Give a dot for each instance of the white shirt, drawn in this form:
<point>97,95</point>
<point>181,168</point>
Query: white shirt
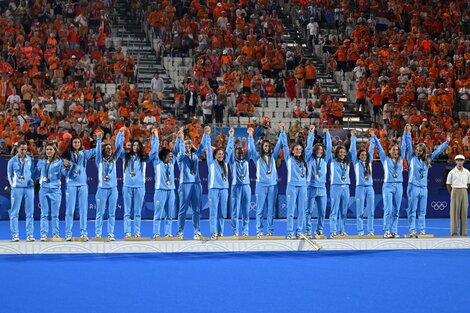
<point>458,179</point>
<point>313,28</point>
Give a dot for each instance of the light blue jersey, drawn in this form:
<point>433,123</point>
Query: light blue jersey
<point>362,170</point>
<point>418,169</point>
<point>20,172</point>
<point>266,170</point>
<point>77,176</point>
<point>107,167</point>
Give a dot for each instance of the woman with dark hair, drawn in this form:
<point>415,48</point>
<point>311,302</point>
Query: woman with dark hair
<point>266,182</point>
<point>296,184</point>
<point>164,197</point>
<point>316,178</point>
<point>107,193</point>
<point>240,193</point>
<point>77,188</point>
<point>48,171</point>
<point>419,163</point>
<point>365,194</point>
<point>190,188</point>
<point>392,189</point>
<point>217,182</point>
<point>339,190</point>
<point>133,187</point>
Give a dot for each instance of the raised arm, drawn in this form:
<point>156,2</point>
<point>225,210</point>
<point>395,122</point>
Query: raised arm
<point>230,149</point>
<point>279,144</point>
<point>120,152</point>
<point>98,156</point>
<point>328,145</point>
<point>441,148</point>
<point>403,146</point>
<point>310,140</point>
<point>382,154</point>
<point>181,149</point>
<point>153,155</point>
<point>371,149</point>
<point>251,145</point>
<point>91,153</point>
<point>352,148</point>
<point>285,145</point>
<point>206,140</point>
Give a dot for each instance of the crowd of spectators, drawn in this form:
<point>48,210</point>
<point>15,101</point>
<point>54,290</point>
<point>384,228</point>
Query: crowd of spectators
<point>53,54</point>
<point>414,69</point>
<point>409,62</point>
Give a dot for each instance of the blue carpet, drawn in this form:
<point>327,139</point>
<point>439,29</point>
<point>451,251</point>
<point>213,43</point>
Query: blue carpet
<point>326,281</point>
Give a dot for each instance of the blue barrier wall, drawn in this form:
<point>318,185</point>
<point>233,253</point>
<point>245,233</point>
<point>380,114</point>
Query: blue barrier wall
<point>438,200</point>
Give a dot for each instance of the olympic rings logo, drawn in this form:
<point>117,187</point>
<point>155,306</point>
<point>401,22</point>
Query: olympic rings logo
<point>439,205</point>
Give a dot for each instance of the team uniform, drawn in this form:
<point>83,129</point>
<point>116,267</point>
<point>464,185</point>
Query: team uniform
<point>339,195</point>
<point>240,194</point>
<point>218,187</point>
<point>190,188</point>
<point>365,194</point>
<point>133,190</point>
<point>296,192</point>
<point>418,186</point>
<point>266,185</point>
<point>50,194</point>
<point>316,178</point>
<point>77,190</point>
<point>22,188</point>
<point>392,189</point>
<point>107,193</point>
<point>164,197</point>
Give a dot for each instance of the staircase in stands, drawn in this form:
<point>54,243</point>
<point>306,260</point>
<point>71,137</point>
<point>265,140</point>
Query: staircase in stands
<point>351,119</point>
<point>128,33</point>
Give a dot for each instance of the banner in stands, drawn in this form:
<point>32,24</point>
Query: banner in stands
<point>438,197</point>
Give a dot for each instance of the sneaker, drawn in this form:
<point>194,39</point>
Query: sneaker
<point>15,238</point>
<point>68,238</point>
<point>299,235</point>
<point>214,237</point>
<point>412,234</point>
<point>235,234</point>
<point>30,238</point>
<point>333,235</point>
<point>156,236</point>
<point>84,237</point>
<point>55,236</point>
<point>98,236</point>
<point>371,233</point>
<point>111,237</point>
<point>269,233</point>
<point>291,237</point>
<point>137,235</point>
<point>259,235</point>
<point>318,232</point>
<point>244,235</point>
<point>197,236</point>
<point>168,236</point>
<point>220,235</point>
<point>343,233</point>
<point>43,237</point>
<point>179,235</point>
<point>308,234</point>
<point>387,234</point>
<point>422,232</point>
<point>395,235</point>
<point>361,233</point>
<point>127,235</point>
